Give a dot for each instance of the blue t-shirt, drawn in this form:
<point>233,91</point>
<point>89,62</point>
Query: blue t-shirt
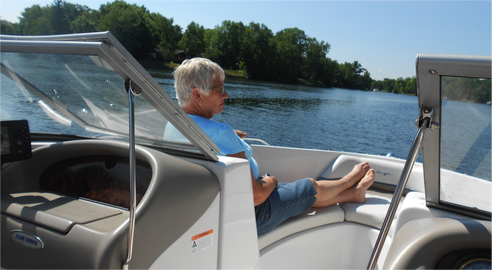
<point>227,140</point>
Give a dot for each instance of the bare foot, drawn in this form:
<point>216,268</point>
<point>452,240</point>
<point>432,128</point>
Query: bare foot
<point>363,185</point>
<point>357,173</point>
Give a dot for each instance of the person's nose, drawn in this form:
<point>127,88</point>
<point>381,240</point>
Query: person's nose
<point>225,95</point>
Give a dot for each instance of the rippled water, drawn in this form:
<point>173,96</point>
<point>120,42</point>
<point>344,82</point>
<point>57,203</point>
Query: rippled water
<point>319,118</point>
<point>314,118</point>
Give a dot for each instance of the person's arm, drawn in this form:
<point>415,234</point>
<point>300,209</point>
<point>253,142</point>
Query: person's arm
<point>241,134</point>
<point>261,189</point>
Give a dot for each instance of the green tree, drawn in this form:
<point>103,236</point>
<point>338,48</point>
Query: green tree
<point>58,18</point>
<point>35,20</point>
<point>481,91</point>
<point>352,76</point>
<point>410,88</point>
<point>130,25</point>
<point>192,41</point>
<point>332,69</point>
<point>8,28</point>
<point>315,63</point>
<point>85,23</point>
<point>288,47</point>
<point>388,85</point>
<point>256,53</point>
<point>59,22</point>
<point>165,34</point>
<point>466,89</point>
<point>226,43</point>
<point>365,81</point>
<point>63,14</point>
<point>399,86</point>
<point>405,86</point>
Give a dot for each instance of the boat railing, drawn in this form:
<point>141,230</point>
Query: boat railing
<point>251,140</point>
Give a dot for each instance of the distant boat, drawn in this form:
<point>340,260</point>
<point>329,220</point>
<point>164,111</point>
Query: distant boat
<point>375,90</point>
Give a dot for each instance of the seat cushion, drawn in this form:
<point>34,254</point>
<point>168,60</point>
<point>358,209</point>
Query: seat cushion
<point>312,218</point>
<point>372,212</point>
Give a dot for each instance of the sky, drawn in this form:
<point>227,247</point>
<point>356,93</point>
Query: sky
<point>383,36</point>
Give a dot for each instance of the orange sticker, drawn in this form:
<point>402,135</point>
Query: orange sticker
<point>203,234</point>
<point>201,242</point>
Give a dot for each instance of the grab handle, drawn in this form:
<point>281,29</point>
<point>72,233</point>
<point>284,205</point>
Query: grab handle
<point>132,90</point>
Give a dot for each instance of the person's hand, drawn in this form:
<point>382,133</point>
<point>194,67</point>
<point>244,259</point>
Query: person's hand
<point>263,187</point>
<point>271,179</point>
<point>241,134</point>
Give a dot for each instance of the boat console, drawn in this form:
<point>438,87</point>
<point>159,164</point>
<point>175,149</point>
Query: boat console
<point>16,141</point>
<point>76,194</point>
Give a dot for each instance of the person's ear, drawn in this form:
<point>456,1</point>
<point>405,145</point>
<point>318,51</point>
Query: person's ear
<point>196,94</point>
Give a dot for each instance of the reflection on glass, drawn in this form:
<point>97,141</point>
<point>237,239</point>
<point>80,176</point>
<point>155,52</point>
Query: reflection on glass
<point>5,150</point>
<point>465,133</point>
<point>77,95</point>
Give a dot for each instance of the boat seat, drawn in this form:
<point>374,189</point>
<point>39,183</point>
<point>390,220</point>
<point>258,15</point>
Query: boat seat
<point>373,211</point>
<point>370,213</point>
<point>309,219</point>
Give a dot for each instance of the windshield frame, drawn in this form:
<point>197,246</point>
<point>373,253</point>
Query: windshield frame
<point>105,46</point>
<point>430,71</point>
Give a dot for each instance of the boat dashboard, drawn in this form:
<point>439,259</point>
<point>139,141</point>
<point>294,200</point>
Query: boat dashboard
<point>77,193</point>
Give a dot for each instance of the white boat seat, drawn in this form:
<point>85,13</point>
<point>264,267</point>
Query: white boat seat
<point>310,219</point>
<point>370,213</point>
<point>373,211</point>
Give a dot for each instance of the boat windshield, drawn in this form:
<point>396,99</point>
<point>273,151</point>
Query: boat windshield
<point>75,85</point>
<point>456,148</point>
<point>465,139</point>
<point>85,86</point>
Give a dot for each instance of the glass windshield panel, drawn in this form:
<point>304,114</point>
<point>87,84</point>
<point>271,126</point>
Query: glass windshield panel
<point>77,95</point>
<point>466,141</point>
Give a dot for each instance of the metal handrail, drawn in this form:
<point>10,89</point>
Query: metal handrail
<point>405,174</point>
<point>257,140</point>
<point>133,175</point>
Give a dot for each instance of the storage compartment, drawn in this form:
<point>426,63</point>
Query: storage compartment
<point>102,178</point>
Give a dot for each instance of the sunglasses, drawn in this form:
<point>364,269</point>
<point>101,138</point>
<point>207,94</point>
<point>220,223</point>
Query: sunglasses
<point>219,90</point>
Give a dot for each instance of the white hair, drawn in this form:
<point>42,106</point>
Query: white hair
<point>195,73</point>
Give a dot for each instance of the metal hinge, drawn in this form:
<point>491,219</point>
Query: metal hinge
<point>426,112</point>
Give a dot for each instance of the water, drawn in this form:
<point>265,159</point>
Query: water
<point>317,118</point>
<point>308,117</point>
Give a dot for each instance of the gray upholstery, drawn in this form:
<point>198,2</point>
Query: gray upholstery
<point>310,219</point>
<point>370,213</point>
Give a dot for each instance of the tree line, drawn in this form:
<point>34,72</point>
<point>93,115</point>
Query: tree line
<point>466,89</point>
<point>288,56</point>
<point>405,86</point>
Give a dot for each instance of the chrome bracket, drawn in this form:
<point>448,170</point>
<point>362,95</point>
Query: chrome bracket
<point>426,112</point>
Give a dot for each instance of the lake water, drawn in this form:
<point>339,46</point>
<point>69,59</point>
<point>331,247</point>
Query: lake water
<point>316,118</point>
<point>350,120</point>
<point>310,117</point>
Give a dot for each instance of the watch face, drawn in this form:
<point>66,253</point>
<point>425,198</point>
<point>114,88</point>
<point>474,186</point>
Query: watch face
<point>476,264</point>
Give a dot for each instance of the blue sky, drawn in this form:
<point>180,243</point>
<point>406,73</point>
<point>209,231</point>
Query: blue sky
<point>384,36</point>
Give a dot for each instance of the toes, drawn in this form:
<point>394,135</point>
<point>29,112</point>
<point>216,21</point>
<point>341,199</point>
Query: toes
<point>368,179</point>
<point>371,173</point>
<point>365,166</point>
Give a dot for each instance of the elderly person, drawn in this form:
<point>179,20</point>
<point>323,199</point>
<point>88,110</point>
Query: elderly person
<point>199,85</point>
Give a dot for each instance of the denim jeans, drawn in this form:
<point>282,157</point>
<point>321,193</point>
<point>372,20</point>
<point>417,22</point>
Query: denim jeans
<point>287,200</point>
